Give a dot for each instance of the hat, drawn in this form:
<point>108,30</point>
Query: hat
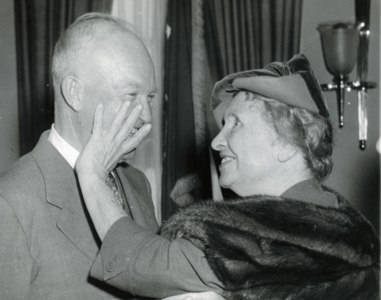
<point>292,83</point>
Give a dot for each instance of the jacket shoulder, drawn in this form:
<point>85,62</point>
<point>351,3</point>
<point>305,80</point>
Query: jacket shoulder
<point>22,185</point>
<point>23,175</point>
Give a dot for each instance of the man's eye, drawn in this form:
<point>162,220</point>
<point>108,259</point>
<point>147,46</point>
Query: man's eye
<point>151,98</point>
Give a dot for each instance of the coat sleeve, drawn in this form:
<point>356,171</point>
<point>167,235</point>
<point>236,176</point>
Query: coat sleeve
<point>15,257</point>
<point>145,264</point>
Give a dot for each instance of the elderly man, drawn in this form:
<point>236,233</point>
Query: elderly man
<point>48,242</point>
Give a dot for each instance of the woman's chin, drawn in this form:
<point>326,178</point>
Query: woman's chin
<point>224,183</point>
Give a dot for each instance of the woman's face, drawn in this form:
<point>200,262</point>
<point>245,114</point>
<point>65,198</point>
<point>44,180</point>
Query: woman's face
<point>248,148</point>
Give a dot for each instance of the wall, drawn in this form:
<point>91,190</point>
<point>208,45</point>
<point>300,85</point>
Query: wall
<point>9,145</point>
<point>356,173</point>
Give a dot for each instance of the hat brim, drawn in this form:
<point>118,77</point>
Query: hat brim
<point>292,83</point>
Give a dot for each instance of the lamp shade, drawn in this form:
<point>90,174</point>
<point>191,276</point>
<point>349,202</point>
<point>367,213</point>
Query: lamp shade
<point>340,43</point>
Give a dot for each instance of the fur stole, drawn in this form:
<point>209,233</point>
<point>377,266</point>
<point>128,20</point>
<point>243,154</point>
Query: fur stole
<point>264,247</point>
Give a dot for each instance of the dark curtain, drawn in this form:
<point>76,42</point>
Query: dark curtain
<point>182,181</point>
<point>239,35</point>
<point>179,142</point>
<point>248,34</point>
<point>39,24</point>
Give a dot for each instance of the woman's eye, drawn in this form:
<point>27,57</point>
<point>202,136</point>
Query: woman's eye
<point>236,123</point>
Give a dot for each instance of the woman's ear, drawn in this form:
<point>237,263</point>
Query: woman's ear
<point>286,152</point>
<point>71,91</point>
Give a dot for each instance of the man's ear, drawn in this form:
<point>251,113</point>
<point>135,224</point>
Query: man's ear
<point>71,91</point>
<point>286,152</point>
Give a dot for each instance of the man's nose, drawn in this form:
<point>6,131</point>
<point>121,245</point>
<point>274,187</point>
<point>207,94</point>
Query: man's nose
<point>146,115</point>
<point>219,141</point>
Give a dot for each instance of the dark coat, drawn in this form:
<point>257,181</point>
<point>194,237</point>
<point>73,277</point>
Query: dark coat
<point>264,247</point>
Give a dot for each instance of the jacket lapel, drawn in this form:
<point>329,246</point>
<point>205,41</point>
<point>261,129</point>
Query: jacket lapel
<point>62,191</point>
<point>138,200</point>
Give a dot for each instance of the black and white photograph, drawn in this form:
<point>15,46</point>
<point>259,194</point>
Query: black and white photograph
<point>190,149</point>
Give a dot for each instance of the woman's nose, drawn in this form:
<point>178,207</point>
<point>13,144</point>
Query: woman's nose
<point>219,141</point>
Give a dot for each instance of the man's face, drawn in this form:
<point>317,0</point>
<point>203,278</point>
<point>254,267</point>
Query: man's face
<point>247,146</point>
<point>116,78</point>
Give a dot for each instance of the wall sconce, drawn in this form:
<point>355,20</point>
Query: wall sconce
<point>342,44</point>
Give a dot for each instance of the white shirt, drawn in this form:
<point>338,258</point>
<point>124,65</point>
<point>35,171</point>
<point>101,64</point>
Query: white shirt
<point>63,147</point>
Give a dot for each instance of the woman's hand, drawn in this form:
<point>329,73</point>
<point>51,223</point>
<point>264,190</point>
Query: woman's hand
<point>107,146</point>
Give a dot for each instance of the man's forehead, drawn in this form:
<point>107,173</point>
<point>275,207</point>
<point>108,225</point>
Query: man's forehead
<point>128,83</point>
<point>132,83</point>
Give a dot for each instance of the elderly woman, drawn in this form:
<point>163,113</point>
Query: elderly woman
<point>286,236</point>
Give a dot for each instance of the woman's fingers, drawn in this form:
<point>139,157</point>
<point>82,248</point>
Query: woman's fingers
<point>110,145</point>
<point>120,118</point>
<point>134,140</point>
<point>121,126</point>
<point>126,129</point>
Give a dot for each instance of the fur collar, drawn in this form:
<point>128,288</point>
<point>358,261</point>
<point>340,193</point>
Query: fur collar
<point>264,247</point>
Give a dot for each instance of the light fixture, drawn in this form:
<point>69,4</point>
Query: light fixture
<point>340,42</point>
<point>343,43</point>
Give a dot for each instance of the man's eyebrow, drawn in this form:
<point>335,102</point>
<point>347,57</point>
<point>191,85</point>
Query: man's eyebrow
<point>130,84</point>
<point>125,84</point>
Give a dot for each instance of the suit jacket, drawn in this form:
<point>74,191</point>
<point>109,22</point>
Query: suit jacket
<point>47,239</point>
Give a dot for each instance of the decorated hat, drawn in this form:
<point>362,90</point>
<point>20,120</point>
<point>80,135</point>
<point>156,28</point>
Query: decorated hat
<point>293,83</point>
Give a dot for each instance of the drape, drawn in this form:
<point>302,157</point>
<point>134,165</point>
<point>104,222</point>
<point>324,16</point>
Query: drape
<point>179,141</point>
<point>39,23</point>
<point>236,35</point>
<point>148,18</point>
<point>185,173</point>
<point>248,34</point>
<point>203,79</point>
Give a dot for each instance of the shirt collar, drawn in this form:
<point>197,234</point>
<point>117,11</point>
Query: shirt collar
<point>311,191</point>
<point>63,147</point>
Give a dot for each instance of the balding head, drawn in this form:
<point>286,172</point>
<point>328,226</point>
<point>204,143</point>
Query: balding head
<point>99,59</point>
<point>87,29</point>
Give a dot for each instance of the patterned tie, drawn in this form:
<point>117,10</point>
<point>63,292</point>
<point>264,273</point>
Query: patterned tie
<point>111,181</point>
